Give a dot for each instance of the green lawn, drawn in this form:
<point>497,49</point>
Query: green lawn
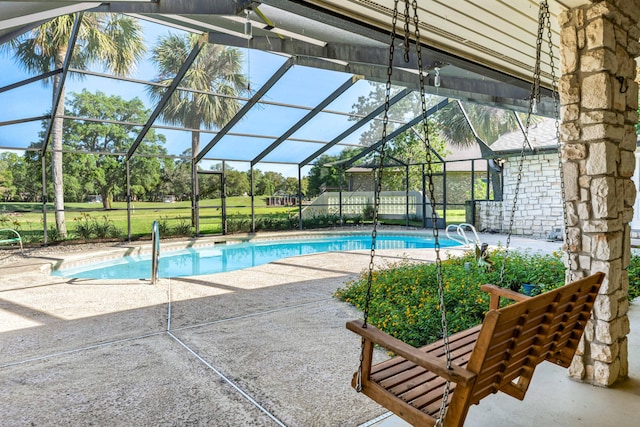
<point>27,217</point>
<point>175,218</point>
<point>454,216</point>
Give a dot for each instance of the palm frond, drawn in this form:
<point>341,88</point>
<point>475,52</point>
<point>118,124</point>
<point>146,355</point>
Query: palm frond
<point>217,69</point>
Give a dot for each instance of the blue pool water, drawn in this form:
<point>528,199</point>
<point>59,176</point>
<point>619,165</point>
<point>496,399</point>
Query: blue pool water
<point>236,256</point>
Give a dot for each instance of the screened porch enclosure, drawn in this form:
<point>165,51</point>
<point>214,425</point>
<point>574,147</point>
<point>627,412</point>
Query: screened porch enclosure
<point>298,108</point>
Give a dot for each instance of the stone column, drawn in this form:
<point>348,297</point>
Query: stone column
<point>599,103</point>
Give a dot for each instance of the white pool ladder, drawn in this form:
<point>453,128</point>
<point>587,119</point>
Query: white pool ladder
<point>461,231</point>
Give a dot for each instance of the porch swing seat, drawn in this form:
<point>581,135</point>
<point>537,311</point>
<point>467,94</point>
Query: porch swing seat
<point>501,354</point>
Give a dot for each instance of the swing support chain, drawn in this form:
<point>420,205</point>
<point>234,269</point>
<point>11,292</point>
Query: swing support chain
<point>533,97</point>
<point>556,116</point>
<point>434,218</point>
<point>378,189</point>
<point>378,173</point>
<point>543,23</point>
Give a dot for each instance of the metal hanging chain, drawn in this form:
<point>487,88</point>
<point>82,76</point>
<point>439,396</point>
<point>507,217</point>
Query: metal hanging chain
<point>407,32</point>
<point>378,182</point>
<point>381,159</point>
<point>434,218</point>
<point>556,116</point>
<point>535,94</point>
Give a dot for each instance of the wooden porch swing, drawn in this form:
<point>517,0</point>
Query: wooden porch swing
<point>436,384</point>
<point>499,355</point>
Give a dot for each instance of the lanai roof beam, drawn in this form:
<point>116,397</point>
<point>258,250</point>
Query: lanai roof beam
<point>182,7</point>
<point>336,51</point>
<point>20,31</point>
<point>39,15</point>
<point>311,114</point>
<point>367,60</point>
<point>65,67</point>
<point>397,97</point>
<point>246,107</point>
<point>167,94</point>
<point>481,91</point>
<point>397,132</point>
<point>30,80</point>
<point>313,11</point>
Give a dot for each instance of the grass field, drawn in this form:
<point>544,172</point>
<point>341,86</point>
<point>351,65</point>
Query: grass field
<point>454,216</point>
<point>27,217</point>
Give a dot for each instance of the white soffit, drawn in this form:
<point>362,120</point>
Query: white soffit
<point>500,34</point>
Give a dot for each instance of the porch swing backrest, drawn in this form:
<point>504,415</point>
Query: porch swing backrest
<point>499,355</point>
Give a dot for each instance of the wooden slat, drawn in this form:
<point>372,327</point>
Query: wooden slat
<point>429,401</point>
<point>437,348</point>
<point>407,412</point>
<point>399,364</point>
<point>414,373</point>
<point>423,390</point>
<point>434,408</point>
<point>510,376</point>
<point>434,364</point>
<point>415,381</point>
<point>498,347</point>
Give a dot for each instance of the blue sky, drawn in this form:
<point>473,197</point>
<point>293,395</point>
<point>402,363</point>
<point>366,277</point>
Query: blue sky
<point>300,86</point>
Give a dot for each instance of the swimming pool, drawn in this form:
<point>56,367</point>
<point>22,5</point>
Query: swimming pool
<point>232,256</point>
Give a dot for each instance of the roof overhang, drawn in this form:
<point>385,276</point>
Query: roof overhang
<point>484,50</point>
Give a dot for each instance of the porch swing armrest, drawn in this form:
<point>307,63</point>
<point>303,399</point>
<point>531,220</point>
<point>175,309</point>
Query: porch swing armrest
<point>431,363</point>
<point>496,292</point>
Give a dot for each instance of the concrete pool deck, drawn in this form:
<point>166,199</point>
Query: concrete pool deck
<point>263,346</point>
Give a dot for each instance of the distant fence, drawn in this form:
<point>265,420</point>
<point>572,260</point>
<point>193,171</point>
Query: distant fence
<point>393,204</point>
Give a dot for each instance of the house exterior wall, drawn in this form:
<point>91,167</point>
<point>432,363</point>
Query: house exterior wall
<point>489,216</point>
<point>360,182</point>
<point>539,206</point>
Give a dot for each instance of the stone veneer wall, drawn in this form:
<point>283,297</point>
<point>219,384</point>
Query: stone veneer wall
<point>489,216</point>
<point>539,205</point>
<point>599,97</point>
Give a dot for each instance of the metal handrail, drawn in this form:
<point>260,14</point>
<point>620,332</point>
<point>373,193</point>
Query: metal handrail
<point>449,236</point>
<point>461,230</point>
<point>18,238</point>
<point>155,251</point>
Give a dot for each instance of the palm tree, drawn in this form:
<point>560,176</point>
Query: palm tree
<point>216,71</point>
<point>113,40</point>
<point>488,122</point>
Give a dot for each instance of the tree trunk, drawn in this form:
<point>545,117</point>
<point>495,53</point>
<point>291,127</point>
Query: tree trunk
<point>56,150</point>
<point>106,200</point>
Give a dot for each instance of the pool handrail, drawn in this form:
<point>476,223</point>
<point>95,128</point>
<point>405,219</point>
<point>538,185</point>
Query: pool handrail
<point>155,251</point>
<point>11,240</point>
<point>461,230</point>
